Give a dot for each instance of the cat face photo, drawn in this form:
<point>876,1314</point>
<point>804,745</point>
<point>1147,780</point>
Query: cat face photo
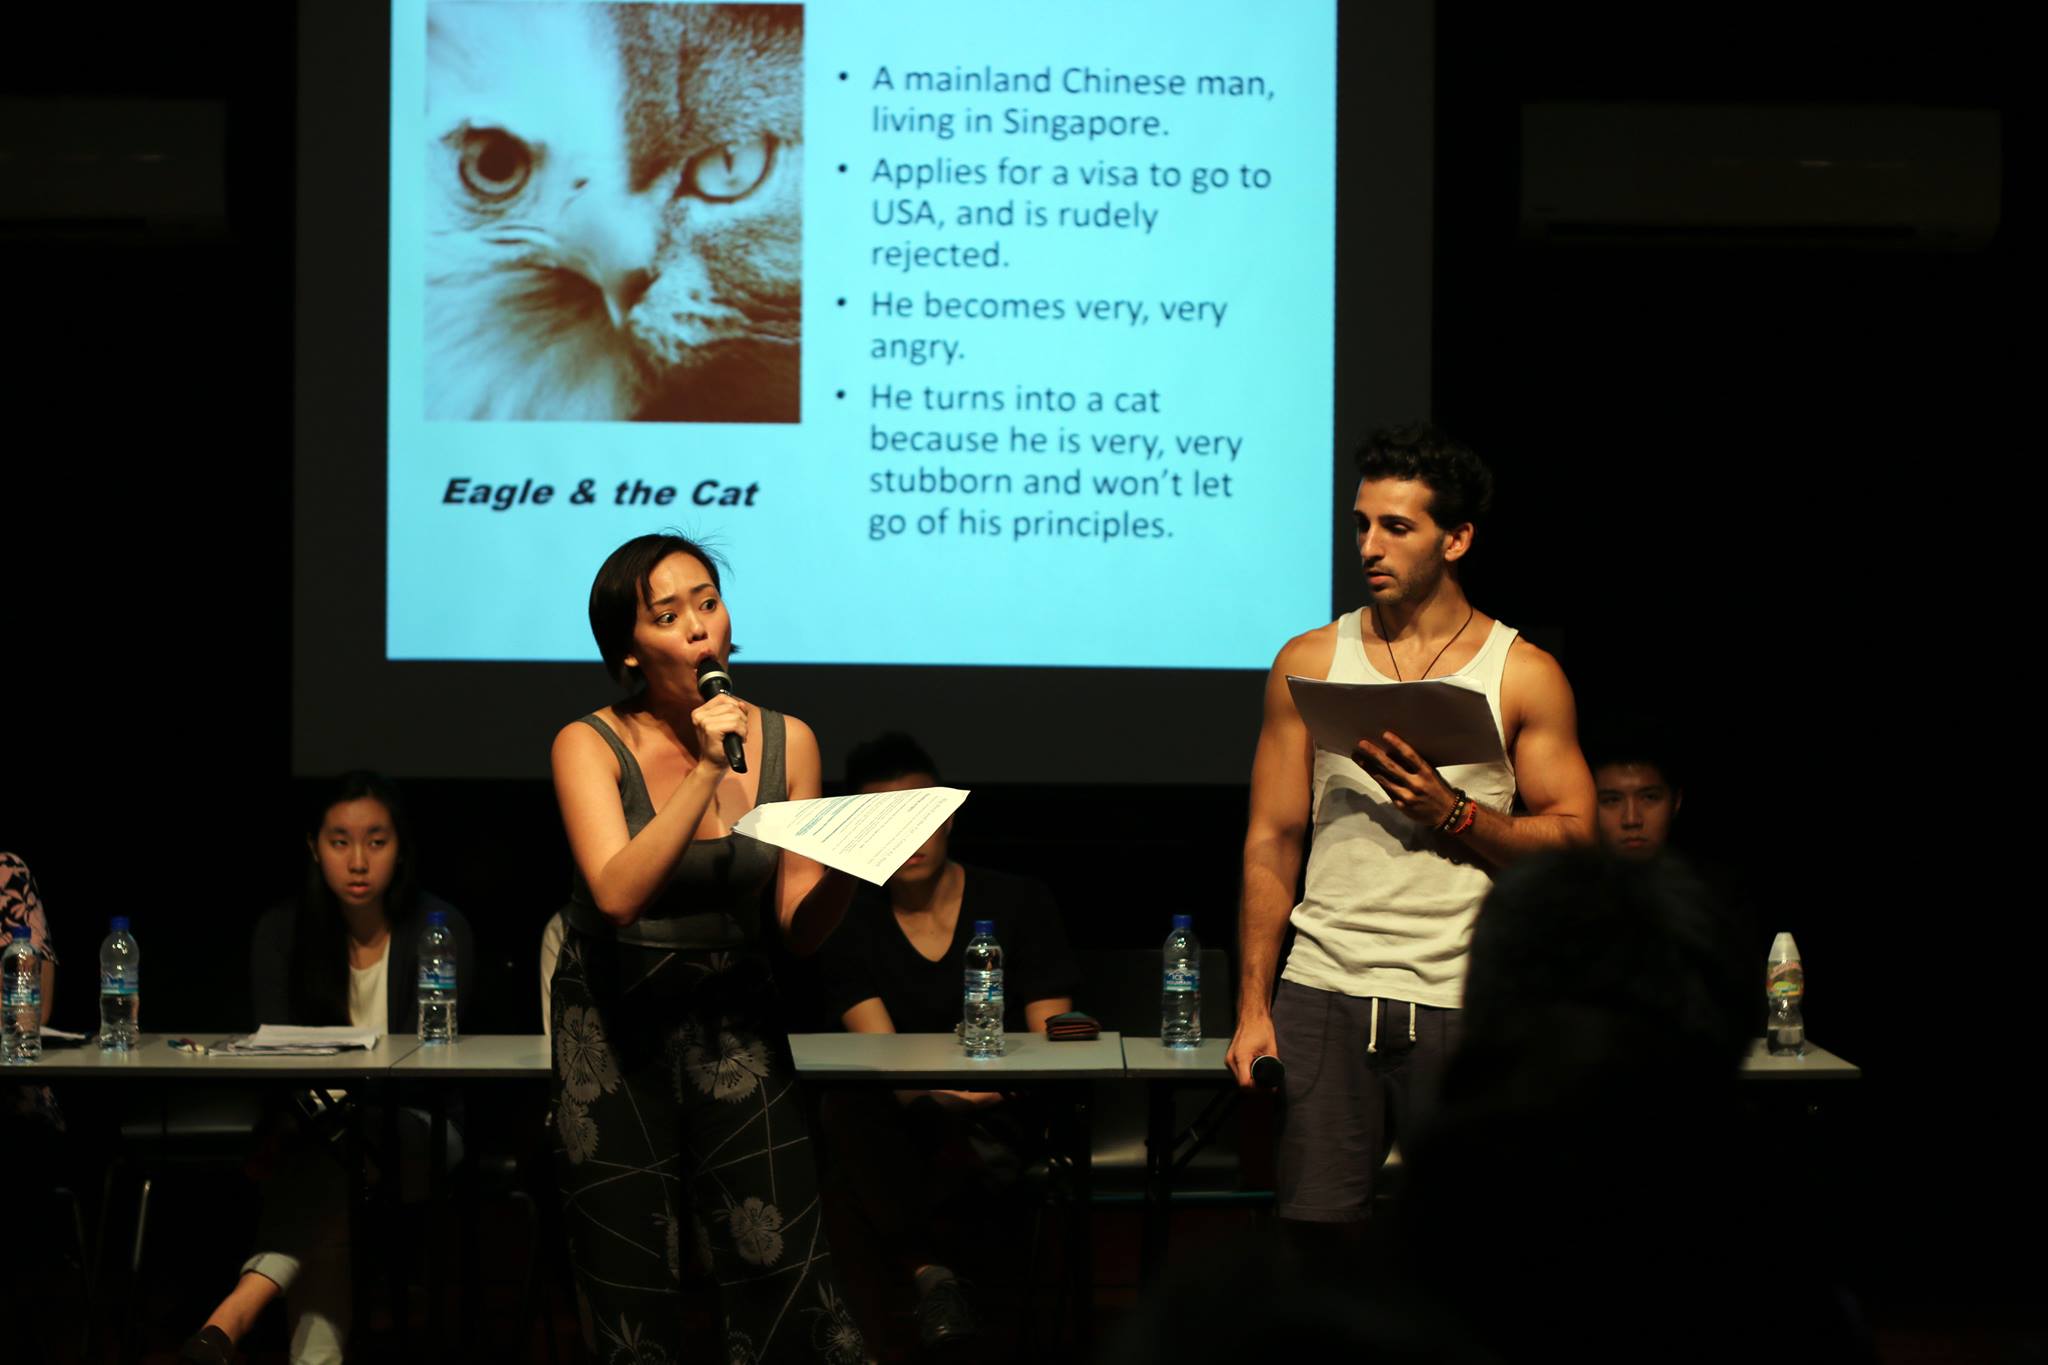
<point>613,212</point>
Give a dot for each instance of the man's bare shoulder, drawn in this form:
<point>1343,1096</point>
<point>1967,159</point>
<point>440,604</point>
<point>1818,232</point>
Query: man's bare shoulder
<point>1309,654</point>
<point>1532,676</point>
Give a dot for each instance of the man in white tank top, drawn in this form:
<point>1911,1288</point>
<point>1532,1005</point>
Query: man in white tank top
<point>1401,853</point>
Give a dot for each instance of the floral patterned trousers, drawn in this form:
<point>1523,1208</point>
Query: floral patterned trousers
<point>684,1150</point>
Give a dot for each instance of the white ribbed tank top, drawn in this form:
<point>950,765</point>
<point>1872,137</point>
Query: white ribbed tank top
<point>1387,907</point>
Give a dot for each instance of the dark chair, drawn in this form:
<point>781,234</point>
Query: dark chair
<point>52,1215</point>
<point>514,1167</point>
<point>204,1133</point>
<point>1120,987</point>
<point>508,1156</point>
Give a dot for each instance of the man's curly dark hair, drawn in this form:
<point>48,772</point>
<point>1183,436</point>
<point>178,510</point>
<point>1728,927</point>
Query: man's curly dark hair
<point>1460,484</point>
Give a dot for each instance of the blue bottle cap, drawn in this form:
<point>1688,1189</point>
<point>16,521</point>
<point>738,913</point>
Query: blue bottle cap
<point>1183,921</point>
<point>437,919</point>
<point>985,926</point>
<point>118,925</point>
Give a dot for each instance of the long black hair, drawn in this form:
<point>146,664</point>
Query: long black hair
<point>319,970</point>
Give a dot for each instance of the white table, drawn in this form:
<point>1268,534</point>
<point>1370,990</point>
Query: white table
<point>1817,1065</point>
<point>1148,1059</point>
<point>397,1059</point>
<point>153,1058</point>
<point>936,1059</point>
<point>479,1056</point>
<point>161,1069</point>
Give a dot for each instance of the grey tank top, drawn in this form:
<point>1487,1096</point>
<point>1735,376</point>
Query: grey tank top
<point>713,896</point>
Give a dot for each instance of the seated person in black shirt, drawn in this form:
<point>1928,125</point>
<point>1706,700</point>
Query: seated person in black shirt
<point>895,965</point>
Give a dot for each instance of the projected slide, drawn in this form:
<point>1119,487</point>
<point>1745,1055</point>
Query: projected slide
<point>971,334</point>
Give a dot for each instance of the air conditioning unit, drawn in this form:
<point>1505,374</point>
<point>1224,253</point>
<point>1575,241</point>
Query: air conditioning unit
<point>1755,176</point>
<point>113,168</point>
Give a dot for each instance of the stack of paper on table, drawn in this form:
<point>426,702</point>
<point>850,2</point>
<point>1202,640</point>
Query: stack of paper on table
<point>293,1040</point>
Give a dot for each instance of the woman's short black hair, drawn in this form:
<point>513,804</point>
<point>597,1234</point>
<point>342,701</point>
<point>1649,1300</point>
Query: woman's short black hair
<point>1460,484</point>
<point>319,969</point>
<point>621,588</point>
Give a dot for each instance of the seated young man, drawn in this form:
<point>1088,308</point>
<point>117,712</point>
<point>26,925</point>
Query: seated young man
<point>1638,801</point>
<point>895,965</point>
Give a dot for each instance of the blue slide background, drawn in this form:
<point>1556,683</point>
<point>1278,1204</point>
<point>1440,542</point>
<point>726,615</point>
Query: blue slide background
<point>810,583</point>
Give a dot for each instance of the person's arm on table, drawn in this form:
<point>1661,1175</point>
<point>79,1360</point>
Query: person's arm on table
<point>1282,768</point>
<point>1036,1012</point>
<point>869,1016</point>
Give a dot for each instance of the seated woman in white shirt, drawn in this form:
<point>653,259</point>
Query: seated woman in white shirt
<point>344,951</point>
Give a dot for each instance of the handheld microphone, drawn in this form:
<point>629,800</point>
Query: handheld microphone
<point>714,681</point>
<point>1268,1072</point>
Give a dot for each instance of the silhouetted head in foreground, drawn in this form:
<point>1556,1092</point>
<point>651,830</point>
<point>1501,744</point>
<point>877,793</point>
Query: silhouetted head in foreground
<point>1591,1182</point>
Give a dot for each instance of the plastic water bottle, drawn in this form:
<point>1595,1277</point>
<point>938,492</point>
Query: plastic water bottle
<point>981,1013</point>
<point>437,980</point>
<point>21,1001</point>
<point>120,987</point>
<point>1180,994</point>
<point>1785,988</point>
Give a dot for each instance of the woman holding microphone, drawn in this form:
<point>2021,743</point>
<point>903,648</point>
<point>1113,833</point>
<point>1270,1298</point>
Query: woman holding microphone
<point>682,1138</point>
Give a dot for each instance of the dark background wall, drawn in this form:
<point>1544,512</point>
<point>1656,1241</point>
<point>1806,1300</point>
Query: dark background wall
<point>1771,496</point>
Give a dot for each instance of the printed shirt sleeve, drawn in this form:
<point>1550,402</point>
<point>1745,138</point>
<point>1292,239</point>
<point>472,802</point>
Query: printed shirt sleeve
<point>21,906</point>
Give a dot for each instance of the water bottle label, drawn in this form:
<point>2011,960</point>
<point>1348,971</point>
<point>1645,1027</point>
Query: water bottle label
<point>1786,981</point>
<point>431,980</point>
<point>22,996</point>
<point>1183,978</point>
<point>118,983</point>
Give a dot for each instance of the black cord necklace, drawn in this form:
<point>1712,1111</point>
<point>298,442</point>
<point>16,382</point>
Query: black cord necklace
<point>1470,611</point>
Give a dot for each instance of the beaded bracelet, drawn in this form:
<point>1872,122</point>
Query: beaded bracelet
<point>1459,811</point>
<point>1465,818</point>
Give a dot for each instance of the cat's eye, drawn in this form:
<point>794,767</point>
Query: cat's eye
<point>732,170</point>
<point>494,164</point>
